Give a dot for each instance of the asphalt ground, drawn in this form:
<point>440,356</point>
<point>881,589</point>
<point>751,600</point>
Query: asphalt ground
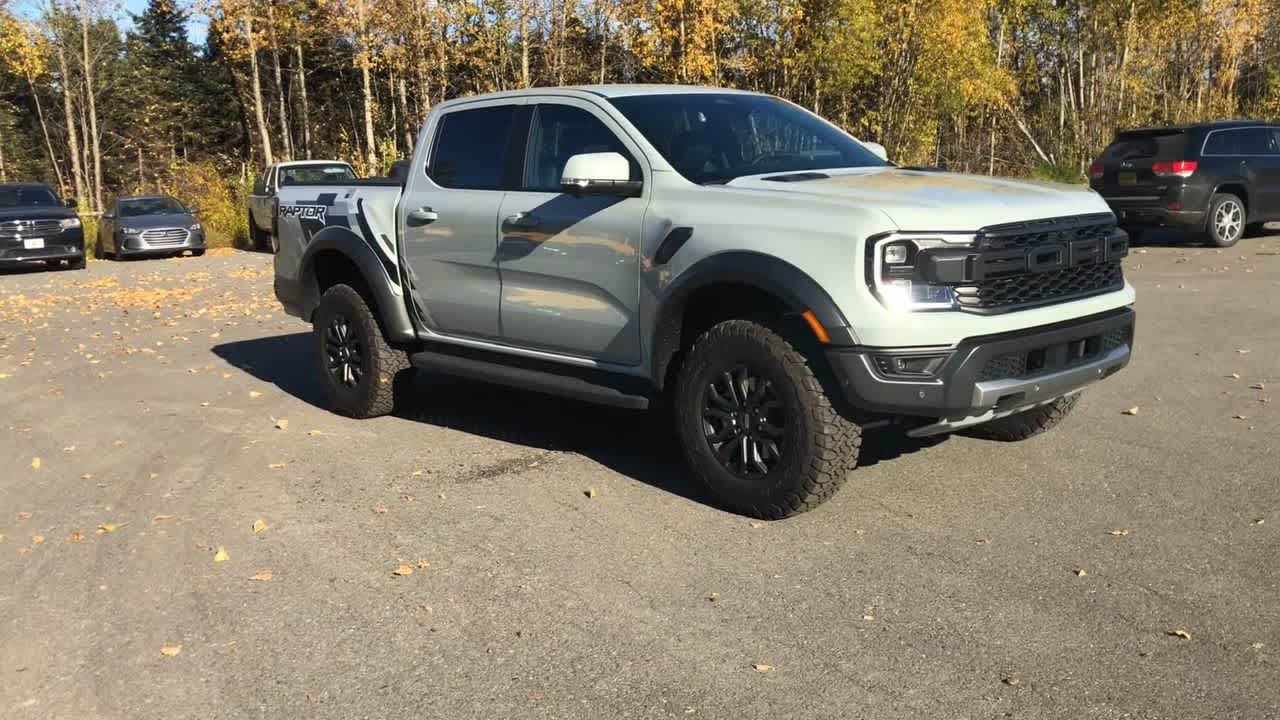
<point>562,563</point>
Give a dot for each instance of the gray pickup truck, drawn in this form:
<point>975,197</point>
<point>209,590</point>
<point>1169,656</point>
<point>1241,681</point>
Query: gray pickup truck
<point>774,282</point>
<point>262,197</point>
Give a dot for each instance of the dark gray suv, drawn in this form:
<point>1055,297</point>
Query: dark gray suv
<point>1222,178</point>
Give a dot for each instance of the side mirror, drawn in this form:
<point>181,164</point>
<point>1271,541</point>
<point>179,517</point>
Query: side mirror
<point>877,149</point>
<point>605,173</point>
<point>70,203</point>
<point>108,215</point>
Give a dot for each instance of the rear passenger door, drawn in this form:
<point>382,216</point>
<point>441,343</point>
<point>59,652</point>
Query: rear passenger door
<point>449,216</point>
<point>1268,173</point>
<point>570,263</point>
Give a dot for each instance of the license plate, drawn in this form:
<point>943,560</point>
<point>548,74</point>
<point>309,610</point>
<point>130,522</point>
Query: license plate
<point>32,243</point>
<point>1128,178</point>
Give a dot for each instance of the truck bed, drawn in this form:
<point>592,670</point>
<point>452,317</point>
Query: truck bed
<point>364,209</point>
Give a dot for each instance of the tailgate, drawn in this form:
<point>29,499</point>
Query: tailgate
<point>1127,161</point>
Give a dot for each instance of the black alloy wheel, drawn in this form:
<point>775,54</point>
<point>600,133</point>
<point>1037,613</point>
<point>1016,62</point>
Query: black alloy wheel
<point>345,352</point>
<point>744,422</point>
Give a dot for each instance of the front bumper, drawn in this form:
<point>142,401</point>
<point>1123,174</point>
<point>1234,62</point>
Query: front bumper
<point>69,245</point>
<point>986,376</point>
<point>137,245</point>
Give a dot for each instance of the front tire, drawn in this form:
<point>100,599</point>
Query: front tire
<point>757,427</point>
<point>1226,220</point>
<point>1028,423</point>
<point>357,367</point>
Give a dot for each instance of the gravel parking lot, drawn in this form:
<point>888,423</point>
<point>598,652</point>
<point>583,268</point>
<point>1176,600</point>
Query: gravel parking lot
<point>186,532</point>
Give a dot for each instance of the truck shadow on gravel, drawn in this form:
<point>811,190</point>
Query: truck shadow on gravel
<point>639,445</point>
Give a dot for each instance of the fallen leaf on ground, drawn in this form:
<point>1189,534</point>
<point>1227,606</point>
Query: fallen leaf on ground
<point>423,563</point>
<point>402,570</point>
<point>1240,417</point>
<point>1011,680</point>
<point>1259,521</point>
<point>37,539</point>
<point>221,555</point>
<point>1181,633</point>
<point>259,525</point>
<point>119,443</point>
<point>24,515</point>
<point>275,466</point>
<point>1132,411</point>
<point>1118,532</point>
<point>1256,646</point>
<point>1080,572</point>
<point>761,667</point>
<point>1258,386</point>
<point>87,476</point>
<point>24,550</point>
<point>170,650</point>
<point>282,424</point>
<point>1234,376</point>
<point>590,493</point>
<point>313,433</point>
<point>756,525</point>
<point>160,518</point>
<point>75,536</point>
<point>69,448</point>
<point>109,527</point>
<point>261,576</point>
<point>254,394</point>
<point>35,463</point>
<point>379,510</point>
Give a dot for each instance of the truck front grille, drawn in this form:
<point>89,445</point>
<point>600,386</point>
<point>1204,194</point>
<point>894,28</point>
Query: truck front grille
<point>10,229</point>
<point>1044,261</point>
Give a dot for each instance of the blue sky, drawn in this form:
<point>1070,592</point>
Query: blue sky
<point>196,27</point>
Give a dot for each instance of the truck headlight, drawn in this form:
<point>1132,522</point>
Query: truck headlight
<point>901,270</point>
<point>70,223</point>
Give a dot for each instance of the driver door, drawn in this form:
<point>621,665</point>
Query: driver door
<point>570,263</point>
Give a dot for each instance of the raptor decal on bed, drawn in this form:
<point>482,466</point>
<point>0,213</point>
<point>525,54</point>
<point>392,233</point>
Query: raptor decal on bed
<point>349,211</point>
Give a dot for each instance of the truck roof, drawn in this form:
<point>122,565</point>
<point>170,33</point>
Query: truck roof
<point>605,91</point>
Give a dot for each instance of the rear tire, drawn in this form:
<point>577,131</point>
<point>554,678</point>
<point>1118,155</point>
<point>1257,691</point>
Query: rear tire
<point>1226,220</point>
<point>757,427</point>
<point>1027,423</point>
<point>97,250</point>
<point>357,368</point>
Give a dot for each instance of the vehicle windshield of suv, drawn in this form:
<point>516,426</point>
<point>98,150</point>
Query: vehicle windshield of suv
<point>29,196</point>
<point>151,206</point>
<point>304,174</point>
<point>715,137</point>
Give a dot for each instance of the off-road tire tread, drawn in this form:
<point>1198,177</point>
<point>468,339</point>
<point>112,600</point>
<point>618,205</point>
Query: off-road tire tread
<point>388,362</point>
<point>837,442</point>
<point>1028,423</point>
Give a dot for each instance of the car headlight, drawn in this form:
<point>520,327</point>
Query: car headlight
<point>69,223</point>
<point>904,271</point>
<point>129,230</point>
<point>195,226</point>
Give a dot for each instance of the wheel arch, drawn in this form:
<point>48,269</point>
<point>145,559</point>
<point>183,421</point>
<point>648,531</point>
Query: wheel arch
<point>734,285</point>
<point>337,254</point>
<point>1236,187</point>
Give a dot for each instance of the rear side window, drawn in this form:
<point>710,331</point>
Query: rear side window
<point>1145,146</point>
<point>1243,141</point>
<point>470,147</point>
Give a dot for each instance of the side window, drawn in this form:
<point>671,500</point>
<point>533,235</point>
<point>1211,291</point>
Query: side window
<point>470,146</point>
<point>1221,142</point>
<point>560,132</point>
<point>1255,141</point>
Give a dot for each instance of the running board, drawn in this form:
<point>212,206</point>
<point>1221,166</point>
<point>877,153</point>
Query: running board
<point>529,378</point>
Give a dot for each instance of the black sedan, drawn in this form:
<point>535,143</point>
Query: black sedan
<point>148,225</point>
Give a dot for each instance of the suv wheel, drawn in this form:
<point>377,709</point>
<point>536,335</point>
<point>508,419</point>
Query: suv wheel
<point>357,368</point>
<point>1027,423</point>
<point>1226,219</point>
<point>756,425</point>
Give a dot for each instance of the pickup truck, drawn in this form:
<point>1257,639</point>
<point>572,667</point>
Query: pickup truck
<point>262,197</point>
<point>772,282</point>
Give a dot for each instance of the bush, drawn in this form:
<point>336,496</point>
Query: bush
<point>1059,173</point>
<point>222,201</point>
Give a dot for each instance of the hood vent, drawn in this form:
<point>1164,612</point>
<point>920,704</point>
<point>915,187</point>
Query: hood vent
<point>798,177</point>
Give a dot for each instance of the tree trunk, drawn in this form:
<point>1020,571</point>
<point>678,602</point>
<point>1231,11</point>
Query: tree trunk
<point>44,130</point>
<point>362,59</point>
<point>524,43</point>
<point>259,118</point>
<point>275,63</point>
<point>306,113</point>
<point>408,121</point>
<point>73,140</point>
<point>4,175</point>
<point>93,105</point>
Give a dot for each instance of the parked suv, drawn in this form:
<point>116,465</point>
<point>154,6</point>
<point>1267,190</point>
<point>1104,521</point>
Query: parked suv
<point>36,226</point>
<point>729,255</point>
<point>1222,178</point>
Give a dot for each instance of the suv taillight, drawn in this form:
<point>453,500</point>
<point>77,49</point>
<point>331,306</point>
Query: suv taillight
<point>1095,170</point>
<point>1181,168</point>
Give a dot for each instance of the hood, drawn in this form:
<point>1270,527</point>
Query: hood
<point>181,220</point>
<point>930,200</point>
<point>41,212</point>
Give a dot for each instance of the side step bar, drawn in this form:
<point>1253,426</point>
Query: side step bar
<point>528,378</point>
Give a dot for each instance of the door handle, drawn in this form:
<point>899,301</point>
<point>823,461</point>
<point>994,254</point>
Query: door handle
<point>521,220</point>
<point>423,215</point>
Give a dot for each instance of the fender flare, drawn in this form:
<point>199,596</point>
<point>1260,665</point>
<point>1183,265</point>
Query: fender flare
<point>391,309</point>
<point>781,279</point>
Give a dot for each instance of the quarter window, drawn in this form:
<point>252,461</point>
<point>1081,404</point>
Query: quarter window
<point>1243,141</point>
<point>560,132</point>
<point>470,147</point>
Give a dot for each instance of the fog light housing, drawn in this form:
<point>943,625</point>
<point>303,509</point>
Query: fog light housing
<point>911,366</point>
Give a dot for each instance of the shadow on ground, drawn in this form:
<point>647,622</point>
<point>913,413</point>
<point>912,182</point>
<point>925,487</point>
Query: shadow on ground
<point>640,445</point>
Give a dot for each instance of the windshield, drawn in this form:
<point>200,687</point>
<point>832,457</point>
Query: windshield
<point>151,206</point>
<point>304,174</point>
<point>27,196</point>
<point>714,138</point>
